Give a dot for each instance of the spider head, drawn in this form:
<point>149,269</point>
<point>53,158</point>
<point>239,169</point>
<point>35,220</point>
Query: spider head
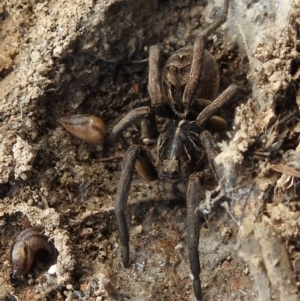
<point>178,150</point>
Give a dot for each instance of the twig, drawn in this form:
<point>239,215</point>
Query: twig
<point>110,158</point>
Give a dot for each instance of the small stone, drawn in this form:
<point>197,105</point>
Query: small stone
<point>69,287</point>
<point>138,229</point>
<point>276,76</point>
<point>35,56</point>
<point>275,85</point>
<point>178,247</point>
<point>269,68</point>
<point>30,202</point>
<point>57,51</point>
<point>246,271</point>
<point>52,269</point>
<point>42,69</point>
<point>86,232</point>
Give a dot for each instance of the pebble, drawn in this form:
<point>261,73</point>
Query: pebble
<point>57,51</point>
<point>138,229</point>
<point>69,287</point>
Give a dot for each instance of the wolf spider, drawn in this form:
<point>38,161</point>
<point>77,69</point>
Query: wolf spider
<point>189,81</point>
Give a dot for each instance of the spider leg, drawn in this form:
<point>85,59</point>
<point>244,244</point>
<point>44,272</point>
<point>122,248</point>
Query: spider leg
<point>193,80</point>
<point>148,125</point>
<point>217,23</point>
<point>154,85</point>
<point>215,123</point>
<point>210,150</point>
<point>198,53</point>
<point>132,117</point>
<point>134,158</point>
<point>194,195</point>
<point>216,104</point>
<point>149,129</point>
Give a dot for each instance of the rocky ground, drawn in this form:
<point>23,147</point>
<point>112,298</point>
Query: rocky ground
<point>59,58</point>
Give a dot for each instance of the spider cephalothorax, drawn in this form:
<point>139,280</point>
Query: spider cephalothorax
<point>187,87</point>
<point>176,74</point>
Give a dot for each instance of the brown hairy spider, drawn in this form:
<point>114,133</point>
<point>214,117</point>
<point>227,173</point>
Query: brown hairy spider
<point>189,81</point>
